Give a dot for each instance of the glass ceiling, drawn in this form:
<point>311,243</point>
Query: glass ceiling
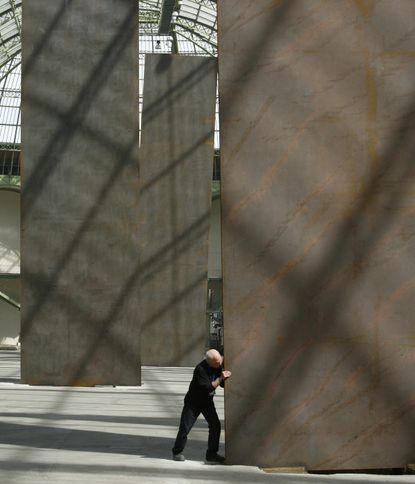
<point>186,27</point>
<point>10,60</point>
<point>190,27</point>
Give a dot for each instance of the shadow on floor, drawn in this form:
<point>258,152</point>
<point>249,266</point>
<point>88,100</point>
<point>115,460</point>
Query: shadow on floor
<point>43,437</point>
<point>10,380</point>
<point>156,421</point>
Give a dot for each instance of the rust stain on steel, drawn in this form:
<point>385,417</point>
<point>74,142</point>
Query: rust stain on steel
<point>348,451</point>
<point>84,382</point>
<point>365,7</point>
<point>270,283</point>
<point>244,19</point>
<point>372,105</point>
<point>293,413</point>
<point>248,131</point>
<point>398,54</point>
<point>318,266</point>
<point>266,180</point>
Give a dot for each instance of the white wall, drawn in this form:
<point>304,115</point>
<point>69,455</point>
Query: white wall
<point>9,264</point>
<point>9,232</point>
<point>9,324</point>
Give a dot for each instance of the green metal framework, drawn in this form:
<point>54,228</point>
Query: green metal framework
<point>9,300</point>
<point>10,182</point>
<point>186,27</point>
<point>10,64</point>
<point>10,32</point>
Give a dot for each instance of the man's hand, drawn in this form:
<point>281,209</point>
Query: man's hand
<point>224,376</point>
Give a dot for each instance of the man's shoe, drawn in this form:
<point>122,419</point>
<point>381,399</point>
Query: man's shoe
<point>215,458</point>
<point>178,457</point>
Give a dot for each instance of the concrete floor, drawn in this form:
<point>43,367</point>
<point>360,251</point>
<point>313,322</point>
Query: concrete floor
<point>123,435</point>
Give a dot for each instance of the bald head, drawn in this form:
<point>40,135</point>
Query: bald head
<point>214,358</point>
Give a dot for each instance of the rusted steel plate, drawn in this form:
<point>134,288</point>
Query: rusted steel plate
<point>317,143</point>
<point>176,164</point>
<point>80,193</point>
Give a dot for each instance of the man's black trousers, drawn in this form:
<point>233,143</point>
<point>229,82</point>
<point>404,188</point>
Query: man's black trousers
<point>191,411</point>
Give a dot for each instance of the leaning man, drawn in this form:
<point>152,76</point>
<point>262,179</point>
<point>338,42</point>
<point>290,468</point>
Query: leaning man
<point>207,376</point>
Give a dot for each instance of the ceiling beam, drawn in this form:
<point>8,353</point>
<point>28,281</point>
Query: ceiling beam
<point>9,300</point>
<point>166,16</point>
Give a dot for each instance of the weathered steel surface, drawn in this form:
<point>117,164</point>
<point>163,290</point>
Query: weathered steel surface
<point>317,119</point>
<point>80,193</point>
<point>176,163</point>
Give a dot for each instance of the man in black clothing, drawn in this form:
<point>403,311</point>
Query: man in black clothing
<point>207,376</point>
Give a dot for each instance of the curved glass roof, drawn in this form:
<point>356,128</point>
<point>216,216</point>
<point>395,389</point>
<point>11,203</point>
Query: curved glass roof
<point>10,30</point>
<point>186,27</point>
<point>10,61</point>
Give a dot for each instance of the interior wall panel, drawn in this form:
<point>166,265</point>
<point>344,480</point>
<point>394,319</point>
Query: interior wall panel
<point>176,165</point>
<point>80,193</point>
<point>317,141</point>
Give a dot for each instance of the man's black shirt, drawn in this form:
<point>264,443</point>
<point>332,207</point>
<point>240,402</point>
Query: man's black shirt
<point>201,388</point>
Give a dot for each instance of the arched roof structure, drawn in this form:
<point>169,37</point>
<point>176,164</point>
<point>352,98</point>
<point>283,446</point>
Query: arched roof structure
<point>187,26</point>
<point>10,63</point>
